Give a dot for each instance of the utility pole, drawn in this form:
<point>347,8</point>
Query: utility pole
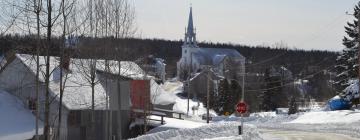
<point>188,82</point>
<point>188,85</point>
<point>243,83</point>
<point>208,95</point>
<point>358,23</point>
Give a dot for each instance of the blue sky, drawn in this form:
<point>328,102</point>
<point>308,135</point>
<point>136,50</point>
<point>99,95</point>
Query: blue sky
<point>305,24</point>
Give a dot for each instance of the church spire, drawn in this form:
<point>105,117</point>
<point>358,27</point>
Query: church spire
<point>190,35</point>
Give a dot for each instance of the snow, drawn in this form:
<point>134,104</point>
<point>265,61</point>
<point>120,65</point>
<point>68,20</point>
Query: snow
<point>226,130</point>
<point>181,106</point>
<point>172,123</point>
<point>339,122</point>
<point>352,91</point>
<point>77,92</point>
<point>167,93</point>
<point>16,121</point>
<point>325,117</point>
<point>164,94</point>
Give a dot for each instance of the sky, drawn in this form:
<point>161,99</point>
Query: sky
<point>303,24</point>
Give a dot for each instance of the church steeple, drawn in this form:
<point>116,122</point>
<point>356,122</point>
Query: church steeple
<point>190,35</point>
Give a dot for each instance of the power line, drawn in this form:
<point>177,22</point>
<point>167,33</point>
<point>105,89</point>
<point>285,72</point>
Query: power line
<point>292,81</point>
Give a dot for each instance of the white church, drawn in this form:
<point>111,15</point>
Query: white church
<point>226,63</point>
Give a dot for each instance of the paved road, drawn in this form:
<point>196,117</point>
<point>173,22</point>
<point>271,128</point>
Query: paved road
<point>296,135</point>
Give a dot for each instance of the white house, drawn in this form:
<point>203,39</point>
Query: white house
<point>18,77</point>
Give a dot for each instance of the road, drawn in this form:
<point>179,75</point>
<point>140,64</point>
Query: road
<point>297,135</point>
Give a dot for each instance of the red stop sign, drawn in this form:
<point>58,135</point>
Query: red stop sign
<point>241,107</point>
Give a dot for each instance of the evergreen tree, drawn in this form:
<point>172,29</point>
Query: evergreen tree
<point>222,98</point>
<point>234,96</point>
<point>272,96</point>
<point>293,106</point>
<point>347,61</point>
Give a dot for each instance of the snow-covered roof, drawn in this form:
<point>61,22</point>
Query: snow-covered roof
<point>77,92</point>
<point>209,56</point>
<point>17,122</point>
<point>218,59</point>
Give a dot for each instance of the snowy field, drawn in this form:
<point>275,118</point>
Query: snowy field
<point>16,122</point>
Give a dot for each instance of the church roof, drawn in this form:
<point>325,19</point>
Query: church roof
<point>190,28</point>
<point>213,56</point>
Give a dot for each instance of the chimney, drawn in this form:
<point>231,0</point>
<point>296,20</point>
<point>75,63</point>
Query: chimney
<point>66,61</point>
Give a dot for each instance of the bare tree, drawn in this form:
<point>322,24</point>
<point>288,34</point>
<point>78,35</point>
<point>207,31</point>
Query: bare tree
<point>37,9</point>
<point>65,11</point>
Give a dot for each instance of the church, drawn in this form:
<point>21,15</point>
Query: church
<point>225,63</point>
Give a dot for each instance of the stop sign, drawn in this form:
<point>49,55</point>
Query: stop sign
<point>241,107</point>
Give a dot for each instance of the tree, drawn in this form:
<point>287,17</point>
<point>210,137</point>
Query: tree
<point>220,106</point>
<point>272,97</point>
<point>293,106</point>
<point>234,97</point>
<point>347,61</point>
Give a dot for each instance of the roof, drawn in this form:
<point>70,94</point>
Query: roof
<point>77,92</point>
<point>209,56</point>
<point>17,122</point>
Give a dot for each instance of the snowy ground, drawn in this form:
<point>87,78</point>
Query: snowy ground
<point>171,123</point>
<point>332,125</point>
<point>16,122</point>
<point>228,130</point>
<point>299,135</point>
<point>339,122</point>
<point>167,93</point>
<point>316,124</point>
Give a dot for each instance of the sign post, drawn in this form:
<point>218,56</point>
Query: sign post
<point>241,107</point>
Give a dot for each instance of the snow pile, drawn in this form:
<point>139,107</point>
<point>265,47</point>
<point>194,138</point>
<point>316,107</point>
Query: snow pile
<point>164,94</point>
<point>343,116</point>
<point>16,121</point>
<point>181,106</point>
<point>171,123</point>
<point>340,122</point>
<point>269,118</point>
<point>206,132</point>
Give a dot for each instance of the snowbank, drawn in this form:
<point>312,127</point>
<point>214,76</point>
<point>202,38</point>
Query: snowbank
<point>206,132</point>
<point>340,122</point>
<point>324,117</point>
<point>16,122</point>
<point>181,106</point>
<point>171,123</point>
<point>165,94</point>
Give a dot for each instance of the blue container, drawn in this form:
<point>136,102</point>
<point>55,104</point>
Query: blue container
<point>339,104</point>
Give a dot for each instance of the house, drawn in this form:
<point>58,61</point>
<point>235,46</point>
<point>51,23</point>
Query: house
<point>18,77</point>
<point>154,67</point>
<point>195,61</point>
